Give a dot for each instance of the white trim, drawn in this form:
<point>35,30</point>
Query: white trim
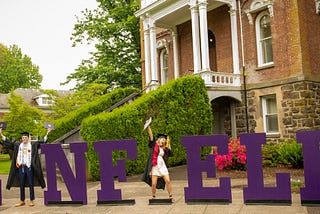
<point>162,43</point>
<point>145,7</point>
<point>257,6</point>
<point>234,43</point>
<point>205,64</point>
<point>175,53</point>
<point>317,6</point>
<point>195,40</point>
<point>146,43</point>
<point>153,54</point>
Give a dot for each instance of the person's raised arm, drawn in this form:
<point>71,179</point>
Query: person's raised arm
<point>168,143</point>
<point>2,136</point>
<point>6,142</point>
<point>46,136</point>
<point>150,133</point>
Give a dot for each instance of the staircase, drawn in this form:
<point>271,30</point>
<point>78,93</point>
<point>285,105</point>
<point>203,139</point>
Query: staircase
<point>74,135</point>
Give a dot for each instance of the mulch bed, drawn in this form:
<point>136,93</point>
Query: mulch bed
<point>268,172</point>
<point>296,175</point>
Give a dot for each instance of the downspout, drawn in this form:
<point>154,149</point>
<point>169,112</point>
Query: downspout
<point>244,72</point>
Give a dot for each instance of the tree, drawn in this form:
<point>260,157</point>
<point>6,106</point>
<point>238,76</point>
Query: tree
<point>115,30</point>
<point>22,117</point>
<point>64,105</point>
<point>17,70</point>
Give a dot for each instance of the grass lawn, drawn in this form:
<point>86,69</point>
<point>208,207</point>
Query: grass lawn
<point>5,163</point>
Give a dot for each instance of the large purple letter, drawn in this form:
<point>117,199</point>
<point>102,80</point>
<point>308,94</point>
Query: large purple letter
<point>77,185</point>
<point>196,192</point>
<point>256,192</point>
<point>0,192</point>
<point>310,141</point>
<point>108,171</point>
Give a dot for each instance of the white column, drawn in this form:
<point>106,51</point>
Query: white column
<point>175,53</point>
<point>204,35</point>
<point>195,38</point>
<point>234,37</point>
<point>153,57</point>
<point>146,35</point>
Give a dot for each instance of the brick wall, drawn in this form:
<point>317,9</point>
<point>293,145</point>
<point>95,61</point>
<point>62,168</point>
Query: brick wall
<point>185,49</point>
<point>294,77</point>
<point>294,37</point>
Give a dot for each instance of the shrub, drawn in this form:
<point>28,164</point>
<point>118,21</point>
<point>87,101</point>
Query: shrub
<point>75,118</point>
<point>235,159</point>
<point>291,154</point>
<point>178,108</point>
<point>273,154</point>
<point>270,154</point>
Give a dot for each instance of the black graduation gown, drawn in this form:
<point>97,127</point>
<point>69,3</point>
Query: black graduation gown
<point>13,179</point>
<point>146,177</point>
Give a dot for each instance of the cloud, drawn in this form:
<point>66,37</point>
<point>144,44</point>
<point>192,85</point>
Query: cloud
<point>42,30</point>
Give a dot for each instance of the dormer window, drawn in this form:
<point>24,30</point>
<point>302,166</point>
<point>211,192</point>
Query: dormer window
<point>46,101</point>
<point>43,100</point>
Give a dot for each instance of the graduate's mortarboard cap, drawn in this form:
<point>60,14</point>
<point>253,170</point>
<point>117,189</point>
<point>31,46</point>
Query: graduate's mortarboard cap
<point>25,134</point>
<point>162,136</point>
<point>3,125</point>
<point>48,125</point>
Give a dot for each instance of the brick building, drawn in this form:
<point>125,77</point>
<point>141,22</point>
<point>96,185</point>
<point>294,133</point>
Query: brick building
<point>258,59</point>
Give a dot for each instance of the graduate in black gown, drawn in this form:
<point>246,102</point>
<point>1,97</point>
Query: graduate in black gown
<point>156,172</point>
<point>25,168</point>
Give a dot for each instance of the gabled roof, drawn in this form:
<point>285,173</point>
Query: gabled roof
<point>29,95</point>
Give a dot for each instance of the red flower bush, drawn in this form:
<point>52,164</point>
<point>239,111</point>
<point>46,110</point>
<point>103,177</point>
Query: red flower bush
<point>235,159</point>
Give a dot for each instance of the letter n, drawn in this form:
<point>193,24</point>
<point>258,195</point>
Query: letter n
<point>76,185</point>
<point>0,192</point>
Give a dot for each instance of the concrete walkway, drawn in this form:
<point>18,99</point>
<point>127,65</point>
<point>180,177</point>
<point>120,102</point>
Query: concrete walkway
<point>140,192</point>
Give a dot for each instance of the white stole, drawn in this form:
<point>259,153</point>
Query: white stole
<point>24,155</point>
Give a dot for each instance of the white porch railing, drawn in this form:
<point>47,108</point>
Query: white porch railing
<point>219,79</point>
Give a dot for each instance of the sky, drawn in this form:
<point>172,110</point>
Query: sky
<point>42,29</point>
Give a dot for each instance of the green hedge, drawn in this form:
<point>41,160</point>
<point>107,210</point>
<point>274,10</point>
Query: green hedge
<point>178,108</point>
<point>74,119</point>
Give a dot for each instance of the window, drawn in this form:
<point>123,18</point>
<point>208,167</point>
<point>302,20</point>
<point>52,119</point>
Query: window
<point>270,114</point>
<point>43,100</point>
<point>164,66</point>
<point>212,51</point>
<point>46,101</point>
<point>264,39</point>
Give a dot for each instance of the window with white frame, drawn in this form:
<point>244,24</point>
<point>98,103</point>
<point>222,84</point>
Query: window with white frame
<point>264,39</point>
<point>164,66</point>
<point>46,101</point>
<point>270,114</point>
<point>43,100</point>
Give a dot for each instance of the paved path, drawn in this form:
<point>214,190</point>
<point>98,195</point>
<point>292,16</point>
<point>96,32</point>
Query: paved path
<point>135,189</point>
